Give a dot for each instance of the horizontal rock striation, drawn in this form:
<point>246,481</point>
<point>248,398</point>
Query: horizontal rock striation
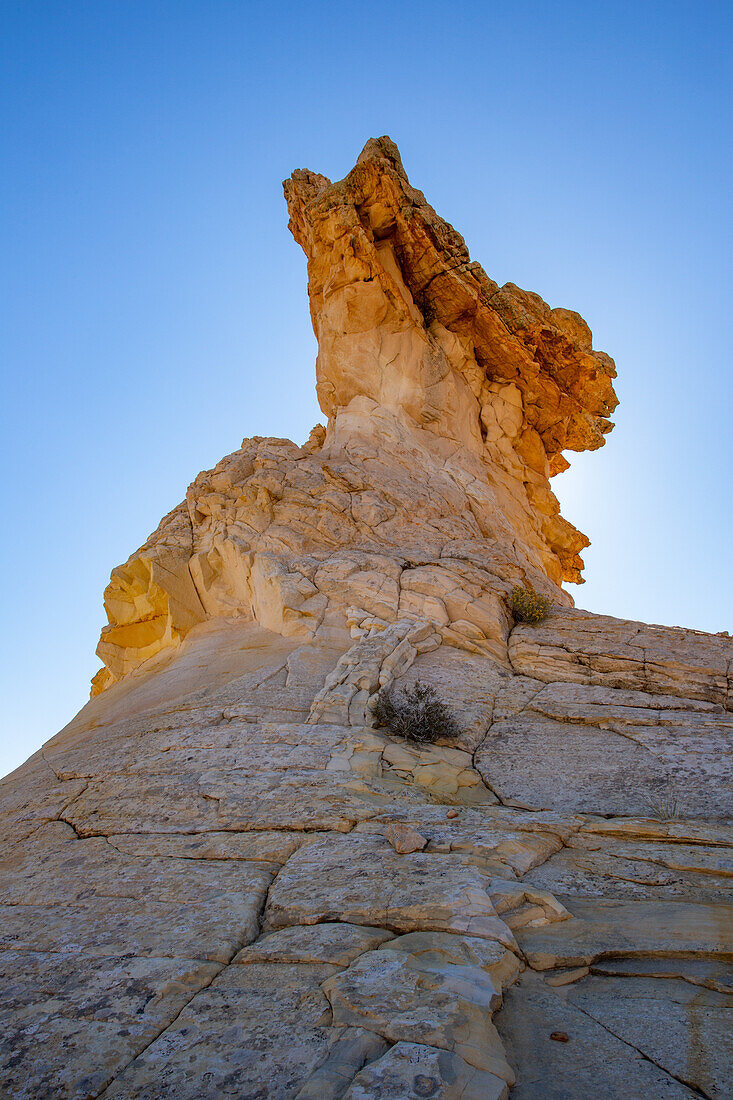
<point>224,878</point>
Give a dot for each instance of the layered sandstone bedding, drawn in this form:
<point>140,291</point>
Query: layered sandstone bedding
<point>223,878</point>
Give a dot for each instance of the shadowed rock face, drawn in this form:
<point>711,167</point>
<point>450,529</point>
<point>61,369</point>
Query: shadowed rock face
<point>223,879</point>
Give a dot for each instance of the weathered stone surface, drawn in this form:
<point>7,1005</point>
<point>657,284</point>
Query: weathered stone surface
<point>619,751</point>
<point>371,664</point>
<point>567,977</point>
<point>710,974</point>
<point>82,896</point>
<point>577,647</point>
<point>511,848</point>
<point>362,880</point>
<point>600,928</point>
<point>445,772</point>
<point>223,879</point>
<point>710,833</point>
<point>525,904</point>
<point>32,796</point>
<point>177,803</point>
<point>685,1030</point>
<point>439,950</point>
<point>68,1029</point>
<point>336,944</point>
<point>594,1061</point>
<point>268,846</point>
<point>231,1038</point>
<point>353,1048</point>
<point>608,867</point>
<point>411,1070</point>
<point>403,998</point>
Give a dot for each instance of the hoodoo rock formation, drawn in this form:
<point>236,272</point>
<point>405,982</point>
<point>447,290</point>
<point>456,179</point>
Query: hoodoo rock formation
<point>225,878</point>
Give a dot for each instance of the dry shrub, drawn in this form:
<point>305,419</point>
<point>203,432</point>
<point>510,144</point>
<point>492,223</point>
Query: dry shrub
<point>528,606</point>
<point>415,713</point>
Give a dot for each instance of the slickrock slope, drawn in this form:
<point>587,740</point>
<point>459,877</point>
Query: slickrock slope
<point>224,879</point>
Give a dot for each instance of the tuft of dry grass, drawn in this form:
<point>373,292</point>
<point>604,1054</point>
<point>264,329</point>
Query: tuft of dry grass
<point>662,805</point>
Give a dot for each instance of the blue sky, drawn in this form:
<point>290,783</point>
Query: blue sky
<point>154,305</point>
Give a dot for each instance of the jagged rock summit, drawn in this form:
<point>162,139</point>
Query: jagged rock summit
<point>224,878</point>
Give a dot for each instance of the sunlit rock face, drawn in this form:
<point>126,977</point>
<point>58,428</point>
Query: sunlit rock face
<point>403,316</point>
<point>449,403</point>
<point>225,878</point>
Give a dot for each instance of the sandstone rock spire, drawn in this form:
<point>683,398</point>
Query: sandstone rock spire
<point>224,879</point>
<point>449,402</point>
<point>405,318</point>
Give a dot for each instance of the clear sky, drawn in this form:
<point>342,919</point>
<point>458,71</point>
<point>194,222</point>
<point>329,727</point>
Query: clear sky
<point>154,306</point>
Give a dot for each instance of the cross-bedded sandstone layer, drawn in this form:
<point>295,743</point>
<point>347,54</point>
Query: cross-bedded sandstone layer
<point>223,878</point>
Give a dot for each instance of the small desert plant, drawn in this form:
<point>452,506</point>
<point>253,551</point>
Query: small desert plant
<point>415,713</point>
<point>661,805</point>
<point>528,606</point>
